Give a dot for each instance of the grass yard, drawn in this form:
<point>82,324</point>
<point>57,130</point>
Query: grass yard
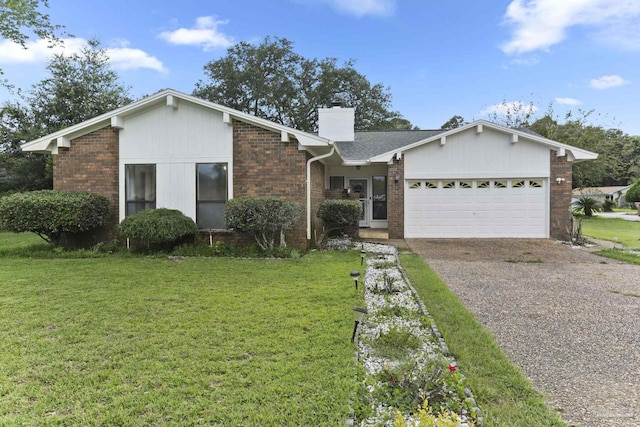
<point>619,255</point>
<point>504,395</point>
<point>626,232</point>
<point>149,341</point>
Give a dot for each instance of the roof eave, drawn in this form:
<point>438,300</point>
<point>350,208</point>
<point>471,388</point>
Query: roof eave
<point>43,144</point>
<point>577,154</point>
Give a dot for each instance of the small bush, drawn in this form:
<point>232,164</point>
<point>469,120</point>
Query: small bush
<point>586,205</point>
<point>338,215</point>
<point>608,206</point>
<point>263,218</point>
<point>159,228</point>
<point>51,213</point>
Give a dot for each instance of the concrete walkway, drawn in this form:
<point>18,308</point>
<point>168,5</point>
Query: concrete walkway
<point>620,215</point>
<point>569,319</point>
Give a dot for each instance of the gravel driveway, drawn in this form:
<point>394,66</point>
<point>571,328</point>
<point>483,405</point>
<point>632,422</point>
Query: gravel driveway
<point>569,319</point>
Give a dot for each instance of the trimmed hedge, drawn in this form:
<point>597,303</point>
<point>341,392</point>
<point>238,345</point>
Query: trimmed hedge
<point>263,218</point>
<point>338,215</point>
<point>162,228</point>
<point>51,213</point>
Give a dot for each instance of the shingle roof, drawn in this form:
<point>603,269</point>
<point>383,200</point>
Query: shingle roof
<point>372,143</point>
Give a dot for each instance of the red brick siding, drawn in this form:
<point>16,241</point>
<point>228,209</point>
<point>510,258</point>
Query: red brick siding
<point>395,197</point>
<point>90,164</point>
<point>560,197</point>
<point>265,166</point>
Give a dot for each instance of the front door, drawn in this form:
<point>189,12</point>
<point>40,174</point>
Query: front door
<point>361,186</point>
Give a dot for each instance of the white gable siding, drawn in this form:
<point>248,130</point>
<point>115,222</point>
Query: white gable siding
<point>489,154</point>
<point>175,140</point>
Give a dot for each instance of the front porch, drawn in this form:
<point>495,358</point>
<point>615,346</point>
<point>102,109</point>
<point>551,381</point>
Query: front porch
<point>373,233</point>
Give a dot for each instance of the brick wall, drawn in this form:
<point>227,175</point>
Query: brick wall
<point>91,164</point>
<point>395,197</point>
<point>265,166</point>
<point>560,197</point>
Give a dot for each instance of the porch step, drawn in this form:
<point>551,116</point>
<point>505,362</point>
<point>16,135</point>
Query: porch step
<point>374,233</point>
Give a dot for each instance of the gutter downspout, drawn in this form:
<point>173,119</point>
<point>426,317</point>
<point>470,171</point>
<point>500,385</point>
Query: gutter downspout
<point>313,159</point>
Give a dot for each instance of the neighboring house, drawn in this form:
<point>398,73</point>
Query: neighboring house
<point>177,151</point>
<point>615,194</point>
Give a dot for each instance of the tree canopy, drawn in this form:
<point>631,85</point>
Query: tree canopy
<point>618,161</point>
<point>19,17</point>
<point>272,81</point>
<point>77,88</point>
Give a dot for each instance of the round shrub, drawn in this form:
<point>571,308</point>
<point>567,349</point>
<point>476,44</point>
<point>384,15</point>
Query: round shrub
<point>51,213</point>
<point>162,228</point>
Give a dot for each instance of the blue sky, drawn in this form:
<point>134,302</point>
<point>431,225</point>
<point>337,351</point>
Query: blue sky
<point>439,58</point>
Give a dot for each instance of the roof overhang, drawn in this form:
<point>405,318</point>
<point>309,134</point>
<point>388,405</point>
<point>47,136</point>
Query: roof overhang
<point>172,98</point>
<point>574,154</point>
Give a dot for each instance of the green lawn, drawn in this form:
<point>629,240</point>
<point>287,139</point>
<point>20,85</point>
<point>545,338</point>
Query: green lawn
<point>149,341</point>
<point>627,233</point>
<point>504,395</point>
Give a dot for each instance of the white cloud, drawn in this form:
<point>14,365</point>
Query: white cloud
<point>205,34</point>
<point>607,82</point>
<point>364,7</point>
<point>37,51</point>
<point>509,108</point>
<point>122,57</point>
<point>568,101</point>
<point>540,24</point>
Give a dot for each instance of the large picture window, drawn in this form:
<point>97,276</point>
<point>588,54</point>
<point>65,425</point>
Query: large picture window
<point>211,195</point>
<point>380,197</point>
<point>140,188</point>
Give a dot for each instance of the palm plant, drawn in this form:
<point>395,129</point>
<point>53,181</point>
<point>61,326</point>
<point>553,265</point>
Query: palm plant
<point>587,206</point>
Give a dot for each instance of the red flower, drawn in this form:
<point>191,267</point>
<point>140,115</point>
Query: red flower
<point>453,367</point>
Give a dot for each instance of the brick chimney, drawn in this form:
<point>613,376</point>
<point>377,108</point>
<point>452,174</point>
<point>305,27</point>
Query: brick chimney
<point>336,123</point>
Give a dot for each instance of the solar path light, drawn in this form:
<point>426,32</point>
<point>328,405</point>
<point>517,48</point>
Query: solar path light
<point>362,255</point>
<point>355,274</point>
<point>359,314</point>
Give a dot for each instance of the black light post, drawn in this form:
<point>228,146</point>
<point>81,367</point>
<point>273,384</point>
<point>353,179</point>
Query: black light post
<point>362,255</point>
<point>355,274</point>
<point>359,314</point>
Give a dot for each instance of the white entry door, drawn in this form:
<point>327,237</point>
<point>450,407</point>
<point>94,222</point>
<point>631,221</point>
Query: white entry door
<point>361,186</point>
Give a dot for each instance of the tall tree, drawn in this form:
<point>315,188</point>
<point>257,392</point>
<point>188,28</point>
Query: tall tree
<point>618,160</point>
<point>453,123</point>
<point>270,80</point>
<point>78,87</point>
<point>19,17</point>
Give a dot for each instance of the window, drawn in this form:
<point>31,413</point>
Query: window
<point>140,188</point>
<point>465,184</point>
<point>535,183</point>
<point>517,184</point>
<point>336,182</point>
<point>211,188</point>
<point>448,184</point>
<point>484,184</point>
<point>415,185</point>
<point>431,184</point>
<point>379,197</point>
<point>500,184</point>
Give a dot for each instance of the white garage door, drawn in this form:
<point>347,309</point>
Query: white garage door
<point>477,208</point>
